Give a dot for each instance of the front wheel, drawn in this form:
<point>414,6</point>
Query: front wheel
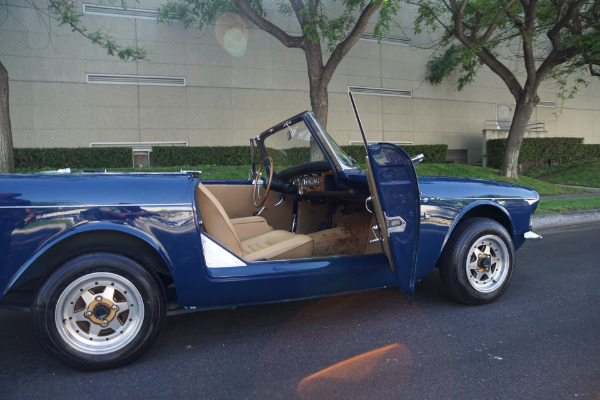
<point>478,262</point>
<point>99,310</point>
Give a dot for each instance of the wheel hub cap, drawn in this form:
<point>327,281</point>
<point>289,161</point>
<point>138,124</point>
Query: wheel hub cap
<point>101,312</point>
<point>484,262</point>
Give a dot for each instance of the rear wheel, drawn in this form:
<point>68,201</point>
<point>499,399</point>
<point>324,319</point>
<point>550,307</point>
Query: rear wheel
<point>99,310</point>
<point>478,262</point>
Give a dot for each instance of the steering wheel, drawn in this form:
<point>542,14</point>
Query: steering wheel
<point>256,197</point>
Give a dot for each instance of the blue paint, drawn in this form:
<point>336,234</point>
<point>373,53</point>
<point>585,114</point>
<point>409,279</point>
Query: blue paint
<point>41,211</point>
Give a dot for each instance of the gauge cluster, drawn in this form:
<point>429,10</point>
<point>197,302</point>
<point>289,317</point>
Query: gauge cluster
<point>311,182</point>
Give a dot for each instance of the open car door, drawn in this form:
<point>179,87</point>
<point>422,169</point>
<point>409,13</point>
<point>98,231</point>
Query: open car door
<point>395,196</point>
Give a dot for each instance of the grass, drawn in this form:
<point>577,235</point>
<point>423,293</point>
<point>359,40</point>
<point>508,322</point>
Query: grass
<point>562,205</point>
<point>543,188</point>
<point>216,172</point>
<point>580,175</point>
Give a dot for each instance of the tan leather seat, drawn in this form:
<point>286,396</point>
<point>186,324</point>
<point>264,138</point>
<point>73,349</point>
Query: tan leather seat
<point>271,245</point>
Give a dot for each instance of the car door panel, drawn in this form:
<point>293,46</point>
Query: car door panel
<point>395,195</point>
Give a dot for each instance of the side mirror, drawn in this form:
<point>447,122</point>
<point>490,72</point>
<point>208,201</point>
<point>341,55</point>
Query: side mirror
<point>417,159</point>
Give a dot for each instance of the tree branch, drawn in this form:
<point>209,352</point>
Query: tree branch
<point>267,26</point>
<point>559,55</point>
<point>527,31</point>
<point>66,15</point>
<point>344,47</point>
<point>298,6</point>
<point>488,58</point>
<point>492,28</point>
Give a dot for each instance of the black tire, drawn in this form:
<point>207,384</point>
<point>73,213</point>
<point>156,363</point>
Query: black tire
<point>477,263</point>
<point>98,311</point>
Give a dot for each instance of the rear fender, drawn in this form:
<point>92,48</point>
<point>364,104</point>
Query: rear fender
<point>86,238</point>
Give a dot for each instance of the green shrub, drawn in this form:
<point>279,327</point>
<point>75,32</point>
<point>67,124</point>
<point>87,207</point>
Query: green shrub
<point>434,153</point>
<point>591,151</point>
<point>167,156</point>
<point>539,152</point>
<point>78,157</point>
<point>240,155</point>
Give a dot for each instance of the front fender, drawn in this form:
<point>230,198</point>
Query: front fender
<point>483,208</point>
<point>439,219</point>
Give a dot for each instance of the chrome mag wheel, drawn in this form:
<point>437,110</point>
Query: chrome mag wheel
<point>477,263</point>
<point>99,313</point>
<point>99,310</point>
<point>487,264</point>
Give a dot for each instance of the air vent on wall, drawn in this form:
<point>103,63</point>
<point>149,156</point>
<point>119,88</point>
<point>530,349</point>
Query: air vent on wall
<point>535,59</point>
<point>120,12</point>
<point>380,91</point>
<point>547,104</point>
<point>135,80</point>
<point>386,39</point>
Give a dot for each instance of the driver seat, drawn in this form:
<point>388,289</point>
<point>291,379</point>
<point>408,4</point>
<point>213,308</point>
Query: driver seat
<point>272,245</point>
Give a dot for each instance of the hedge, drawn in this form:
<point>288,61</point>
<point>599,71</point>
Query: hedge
<point>539,153</point>
<point>434,153</point>
<point>591,151</point>
<point>79,157</point>
<point>240,155</point>
<point>166,156</point>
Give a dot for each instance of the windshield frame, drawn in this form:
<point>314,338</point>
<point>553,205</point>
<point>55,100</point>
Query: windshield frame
<point>336,155</point>
<point>344,161</point>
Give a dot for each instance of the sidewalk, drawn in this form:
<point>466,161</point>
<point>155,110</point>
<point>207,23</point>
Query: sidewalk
<point>593,192</point>
<point>552,220</point>
<point>567,218</point>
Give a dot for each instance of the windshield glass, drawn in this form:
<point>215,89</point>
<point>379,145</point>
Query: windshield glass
<point>293,144</point>
<point>343,158</point>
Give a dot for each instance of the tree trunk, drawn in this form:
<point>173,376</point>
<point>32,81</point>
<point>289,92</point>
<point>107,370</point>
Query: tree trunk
<point>518,127</point>
<point>319,102</point>
<point>6,145</point>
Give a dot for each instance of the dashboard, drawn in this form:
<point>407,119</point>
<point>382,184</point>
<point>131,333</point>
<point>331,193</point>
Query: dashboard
<point>312,181</point>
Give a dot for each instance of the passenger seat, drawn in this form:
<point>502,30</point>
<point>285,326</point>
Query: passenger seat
<point>272,245</point>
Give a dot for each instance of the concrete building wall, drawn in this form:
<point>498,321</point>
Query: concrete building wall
<point>227,99</point>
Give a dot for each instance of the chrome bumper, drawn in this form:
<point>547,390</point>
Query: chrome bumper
<point>532,235</point>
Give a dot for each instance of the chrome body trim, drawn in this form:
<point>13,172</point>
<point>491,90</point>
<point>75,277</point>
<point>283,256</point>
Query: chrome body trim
<point>95,205</point>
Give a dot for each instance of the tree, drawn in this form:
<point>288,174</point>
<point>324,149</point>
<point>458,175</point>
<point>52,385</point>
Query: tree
<point>564,34</point>
<point>6,146</point>
<point>318,27</point>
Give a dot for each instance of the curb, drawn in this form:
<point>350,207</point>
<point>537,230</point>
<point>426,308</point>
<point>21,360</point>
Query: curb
<point>567,218</point>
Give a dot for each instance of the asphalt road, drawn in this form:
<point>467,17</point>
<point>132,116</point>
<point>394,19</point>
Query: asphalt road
<point>541,340</point>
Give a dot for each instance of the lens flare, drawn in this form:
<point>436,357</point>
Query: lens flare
<point>232,34</point>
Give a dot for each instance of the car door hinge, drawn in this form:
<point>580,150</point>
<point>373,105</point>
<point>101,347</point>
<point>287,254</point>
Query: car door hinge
<point>394,224</point>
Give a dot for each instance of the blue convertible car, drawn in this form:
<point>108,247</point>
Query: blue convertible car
<point>100,259</point>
